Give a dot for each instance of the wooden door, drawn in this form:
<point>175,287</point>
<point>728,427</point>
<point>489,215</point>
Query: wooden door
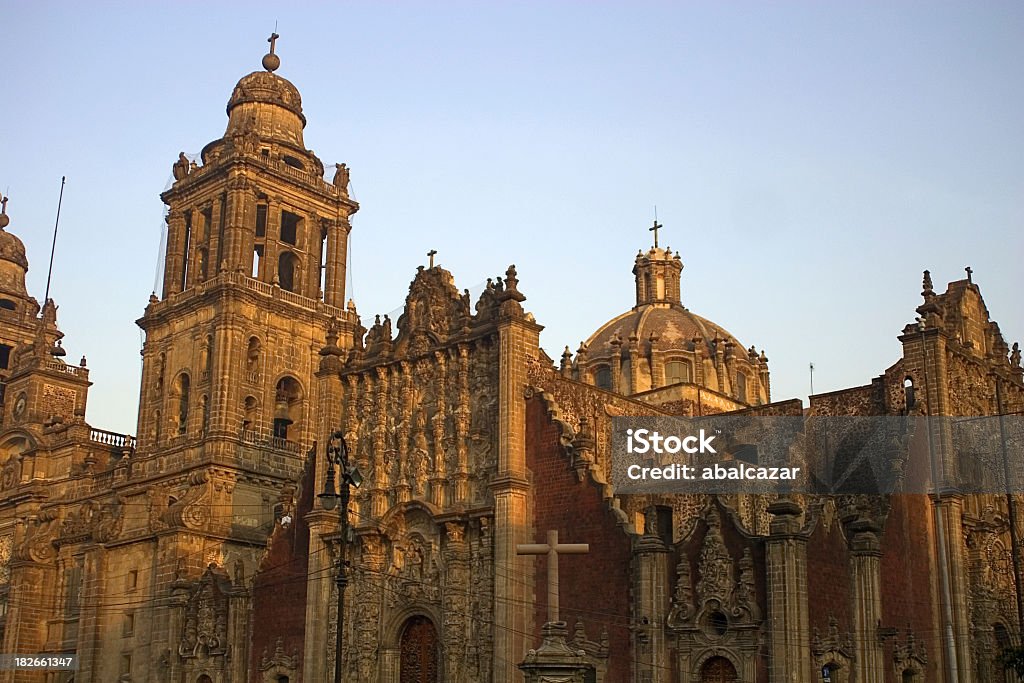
<point>420,660</point>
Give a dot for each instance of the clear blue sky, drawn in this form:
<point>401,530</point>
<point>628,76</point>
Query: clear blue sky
<point>808,160</point>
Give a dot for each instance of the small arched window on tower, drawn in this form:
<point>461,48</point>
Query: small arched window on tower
<point>287,264</point>
<point>603,378</point>
<point>250,422</point>
<point>252,360</point>
<point>182,390</point>
<point>741,386</point>
<point>908,393</point>
<point>660,284</point>
<point>8,305</point>
<point>5,356</point>
<point>287,407</point>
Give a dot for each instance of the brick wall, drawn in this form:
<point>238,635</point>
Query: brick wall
<point>829,583</point>
<point>908,599</point>
<point>593,587</point>
<point>279,589</point>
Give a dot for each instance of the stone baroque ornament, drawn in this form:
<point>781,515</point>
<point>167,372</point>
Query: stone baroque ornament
<point>205,626</point>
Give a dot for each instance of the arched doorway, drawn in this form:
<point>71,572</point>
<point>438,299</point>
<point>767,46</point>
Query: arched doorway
<point>718,670</point>
<point>420,660</point>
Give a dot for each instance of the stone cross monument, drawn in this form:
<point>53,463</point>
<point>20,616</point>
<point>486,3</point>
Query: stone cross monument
<point>554,661</point>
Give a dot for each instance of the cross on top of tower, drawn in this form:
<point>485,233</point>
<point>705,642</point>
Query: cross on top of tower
<point>654,228</point>
<point>431,255</point>
<point>270,60</point>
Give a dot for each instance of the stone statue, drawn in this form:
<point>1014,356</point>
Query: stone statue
<point>341,178</point>
<point>181,167</point>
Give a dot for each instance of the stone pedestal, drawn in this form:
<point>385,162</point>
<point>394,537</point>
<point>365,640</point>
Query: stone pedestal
<point>554,661</point>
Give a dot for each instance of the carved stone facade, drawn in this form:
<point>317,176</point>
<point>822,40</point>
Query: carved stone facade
<point>198,553</point>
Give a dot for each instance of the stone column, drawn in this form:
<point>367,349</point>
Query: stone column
<point>215,238</point>
<point>311,231</point>
<point>634,363</point>
<point>951,512</point>
<point>240,226</point>
<point>319,597</point>
<point>652,592</point>
<point>616,364</point>
<point>865,566</point>
<point>91,621</point>
<point>337,247</point>
<point>174,258</point>
<point>518,341</point>
<point>788,621</point>
<point>268,265</point>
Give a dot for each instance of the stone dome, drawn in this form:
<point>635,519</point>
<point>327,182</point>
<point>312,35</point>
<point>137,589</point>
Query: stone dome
<point>659,343</point>
<point>266,106</point>
<point>671,324</point>
<point>264,87</point>
<point>12,249</point>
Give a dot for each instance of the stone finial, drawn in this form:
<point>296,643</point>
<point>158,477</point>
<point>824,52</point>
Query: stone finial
<point>511,278</point>
<point>81,363</point>
<point>926,285</point>
<point>566,366</point>
<point>4,219</point>
<point>1015,355</point>
<point>271,61</point>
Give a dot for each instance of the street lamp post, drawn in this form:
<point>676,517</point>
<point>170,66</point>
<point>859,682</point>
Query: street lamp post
<point>337,455</point>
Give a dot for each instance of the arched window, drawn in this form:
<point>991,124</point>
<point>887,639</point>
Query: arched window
<point>252,359</point>
<point>287,263</point>
<point>677,371</point>
<point>7,304</point>
<point>251,420</point>
<point>5,356</point>
<point>741,386</point>
<point>908,393</point>
<point>603,378</point>
<point>182,389</point>
<point>287,406</point>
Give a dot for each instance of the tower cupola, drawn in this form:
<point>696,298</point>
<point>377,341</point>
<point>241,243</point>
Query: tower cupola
<point>657,274</point>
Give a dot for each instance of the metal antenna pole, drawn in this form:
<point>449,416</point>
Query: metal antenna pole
<point>53,247</point>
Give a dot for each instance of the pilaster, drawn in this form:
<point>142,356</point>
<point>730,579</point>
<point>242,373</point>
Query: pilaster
<point>788,621</point>
<point>652,592</point>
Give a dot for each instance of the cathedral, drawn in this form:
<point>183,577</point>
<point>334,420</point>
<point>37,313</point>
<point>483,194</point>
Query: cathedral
<point>202,550</point>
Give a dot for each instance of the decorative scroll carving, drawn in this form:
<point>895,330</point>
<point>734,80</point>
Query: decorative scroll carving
<point>38,543</point>
<point>193,510</point>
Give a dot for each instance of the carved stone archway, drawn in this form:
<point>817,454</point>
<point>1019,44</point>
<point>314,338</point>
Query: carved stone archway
<point>420,652</point>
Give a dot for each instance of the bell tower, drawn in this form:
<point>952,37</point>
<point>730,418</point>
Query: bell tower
<point>254,273</point>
